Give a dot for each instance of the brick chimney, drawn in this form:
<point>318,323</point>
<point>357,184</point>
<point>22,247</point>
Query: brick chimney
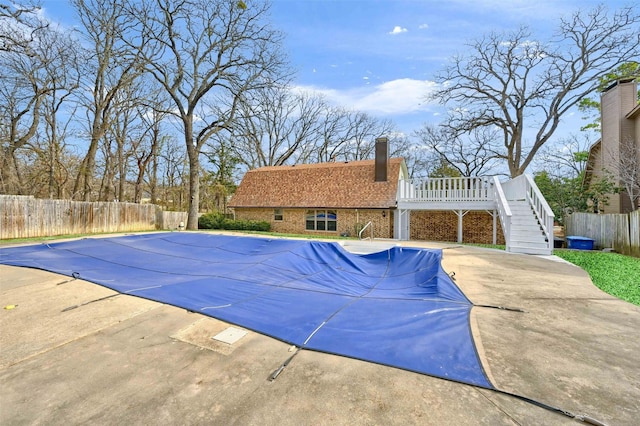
<point>382,159</point>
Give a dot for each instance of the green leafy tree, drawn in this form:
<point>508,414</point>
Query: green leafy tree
<point>220,182</point>
<point>444,169</point>
<point>590,107</point>
<point>563,194</point>
<point>561,178</point>
<point>566,195</point>
<point>599,191</point>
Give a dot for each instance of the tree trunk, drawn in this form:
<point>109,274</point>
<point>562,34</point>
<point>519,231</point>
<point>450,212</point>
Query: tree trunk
<point>194,174</point>
<point>121,172</point>
<point>83,185</point>
<point>153,180</point>
<point>10,179</point>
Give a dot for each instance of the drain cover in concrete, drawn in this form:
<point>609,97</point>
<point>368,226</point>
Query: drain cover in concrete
<point>230,335</point>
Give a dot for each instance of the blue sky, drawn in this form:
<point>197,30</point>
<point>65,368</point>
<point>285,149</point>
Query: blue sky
<point>380,56</point>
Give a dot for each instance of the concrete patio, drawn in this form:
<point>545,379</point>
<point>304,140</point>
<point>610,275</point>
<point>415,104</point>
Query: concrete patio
<point>125,360</point>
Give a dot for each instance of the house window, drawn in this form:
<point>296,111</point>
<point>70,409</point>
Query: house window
<point>277,214</point>
<point>321,220</point>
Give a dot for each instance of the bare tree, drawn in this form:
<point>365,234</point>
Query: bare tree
<point>106,165</point>
<point>625,167</point>
<point>175,174</point>
<point>19,26</point>
<point>22,91</point>
<point>124,129</point>
<point>362,131</point>
<point>131,120</point>
<point>471,154</point>
<point>207,54</point>
<point>45,180</point>
<point>346,135</point>
<point>146,146</point>
<point>112,65</point>
<point>524,87</point>
<point>276,125</point>
<point>59,108</point>
<point>567,158</point>
<point>43,75</point>
<point>333,134</point>
<point>420,161</point>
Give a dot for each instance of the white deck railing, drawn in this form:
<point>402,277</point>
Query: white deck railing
<point>446,189</point>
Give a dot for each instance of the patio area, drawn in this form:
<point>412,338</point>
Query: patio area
<point>129,360</point>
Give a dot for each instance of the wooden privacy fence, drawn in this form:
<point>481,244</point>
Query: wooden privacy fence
<point>618,231</point>
<point>28,217</point>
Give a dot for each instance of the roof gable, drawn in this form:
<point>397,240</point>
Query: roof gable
<point>634,113</point>
<point>324,185</point>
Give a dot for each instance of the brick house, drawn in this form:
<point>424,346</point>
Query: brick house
<point>339,198</point>
<point>620,128</point>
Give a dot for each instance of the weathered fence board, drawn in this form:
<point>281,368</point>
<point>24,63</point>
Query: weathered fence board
<point>170,220</point>
<point>618,231</point>
<point>28,217</point>
<point>634,233</point>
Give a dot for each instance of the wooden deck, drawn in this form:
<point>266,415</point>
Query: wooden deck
<point>525,216</point>
<point>472,193</point>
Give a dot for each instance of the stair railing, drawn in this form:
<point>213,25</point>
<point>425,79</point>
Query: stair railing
<point>504,211</point>
<point>541,208</point>
<point>369,224</point>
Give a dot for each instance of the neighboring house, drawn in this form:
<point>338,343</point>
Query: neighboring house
<point>620,135</point>
<point>339,198</point>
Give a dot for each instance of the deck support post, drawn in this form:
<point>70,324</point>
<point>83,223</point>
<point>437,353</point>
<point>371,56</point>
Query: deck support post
<point>494,215</point>
<point>460,214</point>
<point>495,226</point>
<point>402,225</point>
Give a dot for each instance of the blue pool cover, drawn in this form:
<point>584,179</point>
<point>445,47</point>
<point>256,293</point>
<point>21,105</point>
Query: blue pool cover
<point>395,307</point>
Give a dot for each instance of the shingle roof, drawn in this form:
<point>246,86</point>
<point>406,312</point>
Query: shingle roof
<point>325,185</point>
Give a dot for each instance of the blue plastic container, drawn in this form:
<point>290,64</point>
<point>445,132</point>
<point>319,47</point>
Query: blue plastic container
<point>580,243</point>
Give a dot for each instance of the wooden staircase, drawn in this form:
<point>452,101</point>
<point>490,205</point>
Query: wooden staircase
<point>526,218</point>
<point>527,235</point>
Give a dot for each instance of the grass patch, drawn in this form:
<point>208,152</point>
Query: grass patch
<point>491,246</point>
<point>34,240</point>
<point>612,273</point>
<point>301,236</point>
<point>41,239</point>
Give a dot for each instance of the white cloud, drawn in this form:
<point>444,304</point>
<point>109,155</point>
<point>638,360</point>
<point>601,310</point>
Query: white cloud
<point>395,97</point>
<point>423,26</point>
<point>398,30</point>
